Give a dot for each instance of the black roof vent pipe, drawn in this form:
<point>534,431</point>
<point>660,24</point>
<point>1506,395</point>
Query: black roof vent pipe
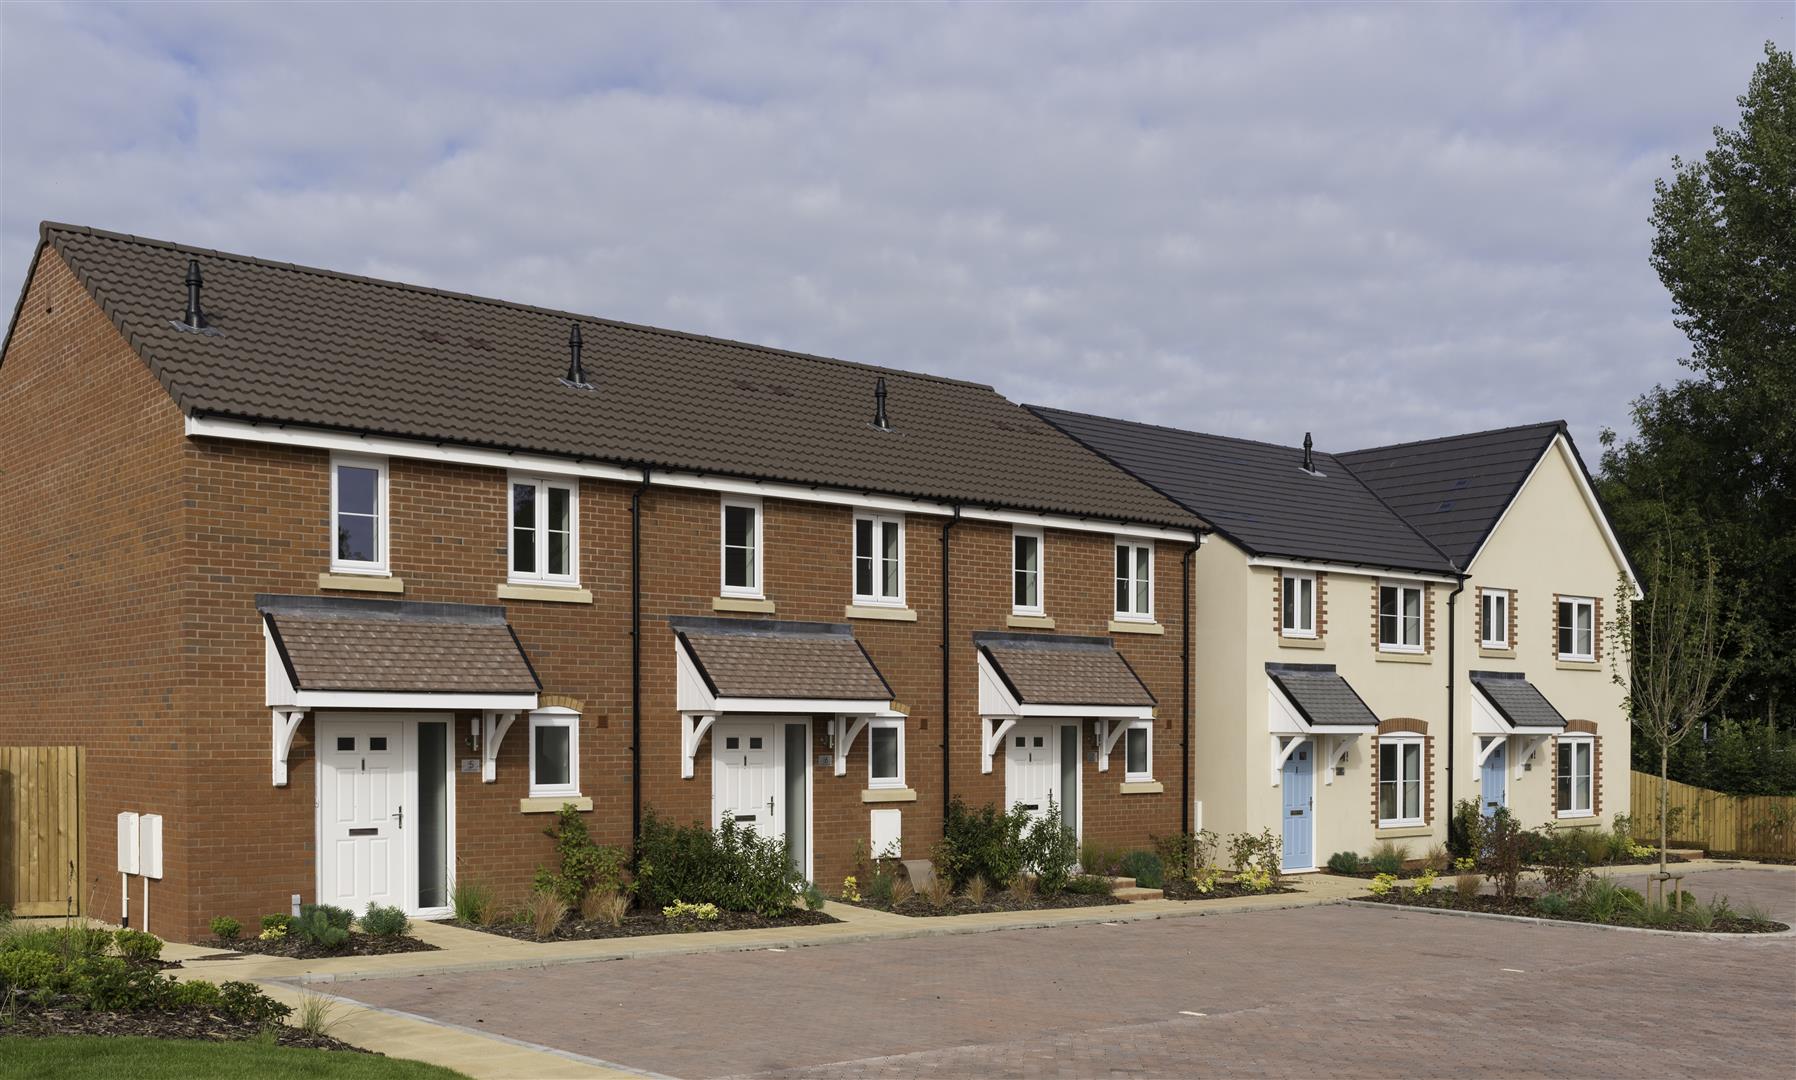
<point>1309,457</point>
<point>194,317</point>
<point>576,372</point>
<point>879,405</point>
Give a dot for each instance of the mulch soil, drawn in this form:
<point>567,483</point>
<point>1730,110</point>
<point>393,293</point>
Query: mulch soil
<point>1525,905</point>
<point>919,907</point>
<point>297,948</point>
<point>1367,874</point>
<point>1730,856</point>
<point>40,1022</point>
<point>650,922</point>
<point>1223,890</point>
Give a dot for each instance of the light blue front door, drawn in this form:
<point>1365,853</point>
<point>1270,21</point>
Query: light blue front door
<point>1494,780</point>
<point>1298,783</point>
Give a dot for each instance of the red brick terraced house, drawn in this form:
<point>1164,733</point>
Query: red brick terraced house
<point>355,583</point>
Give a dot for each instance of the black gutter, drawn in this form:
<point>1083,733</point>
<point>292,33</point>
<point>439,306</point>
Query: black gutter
<point>636,657</point>
<point>947,797</point>
<point>1452,671</point>
<point>1185,687</point>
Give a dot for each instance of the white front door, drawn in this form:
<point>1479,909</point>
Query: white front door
<point>745,776</point>
<point>362,793</point>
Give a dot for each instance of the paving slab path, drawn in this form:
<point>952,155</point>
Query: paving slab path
<point>1286,992</point>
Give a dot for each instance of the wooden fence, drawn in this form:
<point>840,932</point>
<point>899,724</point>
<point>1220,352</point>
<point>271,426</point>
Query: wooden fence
<point>42,800</point>
<point>1747,824</point>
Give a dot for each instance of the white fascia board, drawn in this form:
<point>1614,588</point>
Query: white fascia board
<point>1100,712</point>
<point>543,464</point>
<point>1282,717</point>
<point>840,706</point>
<point>1584,489</point>
<point>1344,568</point>
<point>1340,729</point>
<point>1486,720</point>
<point>368,699</point>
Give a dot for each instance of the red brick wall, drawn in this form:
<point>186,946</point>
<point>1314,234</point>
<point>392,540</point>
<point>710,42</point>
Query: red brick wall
<point>144,643</point>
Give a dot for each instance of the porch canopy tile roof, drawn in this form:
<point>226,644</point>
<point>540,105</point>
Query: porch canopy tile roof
<point>758,658</point>
<point>1323,697</point>
<point>1517,700</point>
<point>1044,669</point>
<point>388,646</point>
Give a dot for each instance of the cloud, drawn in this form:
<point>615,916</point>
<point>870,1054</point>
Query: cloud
<point>1373,223</point>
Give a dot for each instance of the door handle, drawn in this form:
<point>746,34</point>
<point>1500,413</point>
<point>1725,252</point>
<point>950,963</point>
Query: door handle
<point>769,806</point>
<point>401,817</point>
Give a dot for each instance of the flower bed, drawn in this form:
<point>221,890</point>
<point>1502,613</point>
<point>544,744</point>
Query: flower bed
<point>191,1023</point>
<point>643,923</point>
<point>1696,917</point>
<point>922,907</point>
<point>1221,890</point>
<point>297,948</point>
<point>320,931</point>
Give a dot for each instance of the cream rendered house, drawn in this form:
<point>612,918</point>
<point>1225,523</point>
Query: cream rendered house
<point>1332,613</point>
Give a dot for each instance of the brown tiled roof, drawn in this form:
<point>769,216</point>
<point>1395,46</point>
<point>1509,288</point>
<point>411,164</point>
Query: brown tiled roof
<point>309,347</point>
<point>1040,669</point>
<point>765,659</point>
<point>396,646</point>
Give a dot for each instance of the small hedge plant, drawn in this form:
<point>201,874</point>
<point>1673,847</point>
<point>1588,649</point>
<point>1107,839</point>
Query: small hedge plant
<point>735,868</point>
<point>225,928</point>
<point>323,925</point>
<point>1145,867</point>
<point>385,922</point>
<point>583,866</point>
<point>1344,862</point>
<point>43,967</point>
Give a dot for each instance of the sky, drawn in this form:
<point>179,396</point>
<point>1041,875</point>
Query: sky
<point>1375,223</point>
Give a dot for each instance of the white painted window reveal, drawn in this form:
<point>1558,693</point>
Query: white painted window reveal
<point>554,753</point>
<point>885,753</point>
<point>1399,781</point>
<point>358,514</point>
<point>1134,581</point>
<point>1494,619</point>
<point>545,531</point>
<point>1026,556</point>
<point>742,547</point>
<point>879,559</point>
<point>1400,617</point>
<point>1577,628</point>
<point>1297,594</point>
<point>1575,777</point>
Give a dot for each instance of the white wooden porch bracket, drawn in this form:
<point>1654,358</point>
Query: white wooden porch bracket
<point>1109,733</point>
<point>1337,753</point>
<point>1280,755</point>
<point>1530,747</point>
<point>493,726</point>
<point>992,738</point>
<point>1489,747</point>
<point>286,722</point>
<point>692,732</point>
<point>848,728</point>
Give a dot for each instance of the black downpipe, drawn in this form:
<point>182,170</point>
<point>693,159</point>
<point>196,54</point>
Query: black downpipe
<point>1454,843</point>
<point>947,796</point>
<point>636,657</point>
<point>1185,686</point>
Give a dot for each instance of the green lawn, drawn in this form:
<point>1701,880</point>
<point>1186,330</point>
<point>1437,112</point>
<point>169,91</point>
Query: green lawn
<point>82,1058</point>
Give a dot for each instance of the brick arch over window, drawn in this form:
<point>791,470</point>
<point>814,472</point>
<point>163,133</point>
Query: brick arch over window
<point>1580,727</point>
<point>561,701</point>
<point>1405,725</point>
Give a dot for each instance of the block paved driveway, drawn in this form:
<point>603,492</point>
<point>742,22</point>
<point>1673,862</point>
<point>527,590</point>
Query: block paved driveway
<point>1305,992</point>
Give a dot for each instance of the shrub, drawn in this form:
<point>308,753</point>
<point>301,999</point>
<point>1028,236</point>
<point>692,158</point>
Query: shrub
<point>1466,832</point>
<point>1423,884</point>
<point>110,983</point>
<point>1467,885</point>
<point>225,928</point>
<point>901,891</point>
<point>137,946</point>
<point>813,896</point>
<point>196,995</point>
<point>1436,859</point>
<point>1620,839</point>
<point>938,893</point>
<point>1184,854</point>
<point>735,868</point>
<point>851,889</point>
<point>29,969</point>
<point>1344,862</point>
<point>385,922</point>
<point>1050,850</point>
<point>977,888</point>
<point>324,925</point>
<point>608,907</point>
<point>1383,884</point>
<point>583,864</point>
<point>1145,867</point>
<point>1504,841</point>
<point>472,901</point>
<point>545,912</point>
<point>246,1001</point>
<point>1022,889</point>
<point>882,885</point>
<point>1096,857</point>
<point>1388,857</point>
<point>1604,900</point>
<point>316,1014</point>
<point>1092,885</point>
<point>986,841</point>
<point>280,924</point>
<point>680,910</point>
<point>1256,856</point>
<point>1204,880</point>
<point>1553,905</point>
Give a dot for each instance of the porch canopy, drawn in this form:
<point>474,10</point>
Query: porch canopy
<point>337,653</point>
<point>1304,701</point>
<point>770,666</point>
<point>1507,706</point>
<point>1026,676</point>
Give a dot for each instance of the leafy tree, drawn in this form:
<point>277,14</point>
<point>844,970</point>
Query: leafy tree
<point>1714,453</point>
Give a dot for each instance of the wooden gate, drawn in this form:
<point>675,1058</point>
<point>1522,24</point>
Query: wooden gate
<point>42,800</point>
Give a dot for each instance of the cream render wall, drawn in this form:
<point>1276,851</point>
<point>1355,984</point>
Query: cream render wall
<point>1550,542</point>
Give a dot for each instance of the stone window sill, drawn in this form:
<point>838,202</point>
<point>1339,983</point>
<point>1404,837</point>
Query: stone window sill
<point>1496,654</point>
<point>1140,787</point>
<point>553,594</point>
<point>1301,643</point>
<point>1400,832</point>
<point>1578,665</point>
<point>1404,657</point>
<point>361,583</point>
<point>1029,622</point>
<point>553,804</point>
<point>888,794</point>
<point>879,611</point>
<point>742,603</point>
<point>1130,626</point>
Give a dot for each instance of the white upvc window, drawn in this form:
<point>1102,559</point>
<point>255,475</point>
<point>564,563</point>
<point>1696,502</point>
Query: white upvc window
<point>554,753</point>
<point>1297,604</point>
<point>1493,619</point>
<point>1400,617</point>
<point>1577,628</point>
<point>1138,751</point>
<point>1135,580</point>
<point>1575,776</point>
<point>885,753</point>
<point>878,560</point>
<point>742,547</point>
<point>1025,571</point>
<point>1400,785</point>
<point>358,514</point>
<point>544,530</point>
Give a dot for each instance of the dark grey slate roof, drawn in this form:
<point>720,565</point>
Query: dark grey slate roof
<point>1257,495</point>
<point>1321,695</point>
<point>1454,489</point>
<point>1517,699</point>
<point>297,345</point>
